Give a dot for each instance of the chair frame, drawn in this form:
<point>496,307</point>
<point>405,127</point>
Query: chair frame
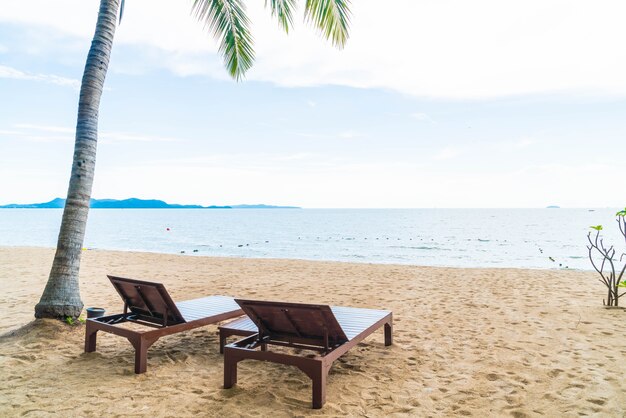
<point>316,368</point>
<point>157,327</point>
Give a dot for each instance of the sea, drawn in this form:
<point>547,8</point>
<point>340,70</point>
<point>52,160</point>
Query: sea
<point>525,238</point>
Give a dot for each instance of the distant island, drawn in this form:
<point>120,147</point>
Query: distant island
<point>134,203</point>
<point>553,207</point>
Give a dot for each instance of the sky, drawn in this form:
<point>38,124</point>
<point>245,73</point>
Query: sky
<point>430,104</point>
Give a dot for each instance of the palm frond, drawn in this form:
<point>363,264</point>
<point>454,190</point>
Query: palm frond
<point>228,21</point>
<point>121,10</point>
<point>283,10</point>
<point>332,17</point>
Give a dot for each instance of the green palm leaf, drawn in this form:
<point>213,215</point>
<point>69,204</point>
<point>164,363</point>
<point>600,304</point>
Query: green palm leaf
<point>283,10</point>
<point>332,17</point>
<point>230,25</point>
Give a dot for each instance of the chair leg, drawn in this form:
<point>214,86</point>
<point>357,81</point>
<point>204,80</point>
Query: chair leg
<point>222,341</point>
<point>141,353</point>
<point>90,338</point>
<point>388,336</point>
<point>230,369</point>
<point>318,377</point>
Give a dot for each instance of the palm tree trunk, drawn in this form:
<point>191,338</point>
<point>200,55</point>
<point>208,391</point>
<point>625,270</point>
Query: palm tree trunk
<point>61,297</point>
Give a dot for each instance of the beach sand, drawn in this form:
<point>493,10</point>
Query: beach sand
<point>467,342</point>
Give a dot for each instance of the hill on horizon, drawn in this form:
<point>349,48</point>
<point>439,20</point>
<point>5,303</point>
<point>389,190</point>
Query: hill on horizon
<point>134,203</point>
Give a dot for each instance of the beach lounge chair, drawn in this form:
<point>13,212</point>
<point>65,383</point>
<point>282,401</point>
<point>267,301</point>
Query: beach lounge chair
<point>329,330</point>
<point>149,304</point>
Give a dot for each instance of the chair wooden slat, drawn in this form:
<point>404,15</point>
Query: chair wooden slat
<point>295,320</point>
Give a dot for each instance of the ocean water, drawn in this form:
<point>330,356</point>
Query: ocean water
<point>436,237</point>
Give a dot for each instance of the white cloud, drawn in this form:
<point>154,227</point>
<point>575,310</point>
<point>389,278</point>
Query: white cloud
<point>422,117</point>
<point>48,133</point>
<point>524,143</point>
<point>37,133</point>
<point>512,146</point>
<point>301,156</point>
<point>9,132</point>
<point>45,128</point>
<point>348,134</point>
<point>440,49</point>
<point>444,49</point>
<point>126,137</point>
<point>447,153</point>
<point>311,182</point>
<point>9,72</point>
<point>316,179</point>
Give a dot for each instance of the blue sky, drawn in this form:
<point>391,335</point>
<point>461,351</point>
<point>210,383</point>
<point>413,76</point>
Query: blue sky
<point>463,106</point>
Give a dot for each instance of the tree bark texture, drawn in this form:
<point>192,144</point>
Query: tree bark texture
<point>61,296</point>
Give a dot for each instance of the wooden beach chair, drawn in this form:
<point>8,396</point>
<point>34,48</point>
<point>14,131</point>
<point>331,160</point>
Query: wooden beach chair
<point>149,304</point>
<point>329,330</point>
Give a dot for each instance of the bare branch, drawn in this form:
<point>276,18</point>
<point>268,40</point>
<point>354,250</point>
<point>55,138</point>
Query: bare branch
<point>611,280</point>
<point>593,263</point>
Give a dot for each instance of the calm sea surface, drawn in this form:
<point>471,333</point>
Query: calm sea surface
<point>437,237</point>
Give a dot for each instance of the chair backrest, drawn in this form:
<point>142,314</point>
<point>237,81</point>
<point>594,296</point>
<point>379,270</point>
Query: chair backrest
<point>149,300</point>
<point>295,322</point>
